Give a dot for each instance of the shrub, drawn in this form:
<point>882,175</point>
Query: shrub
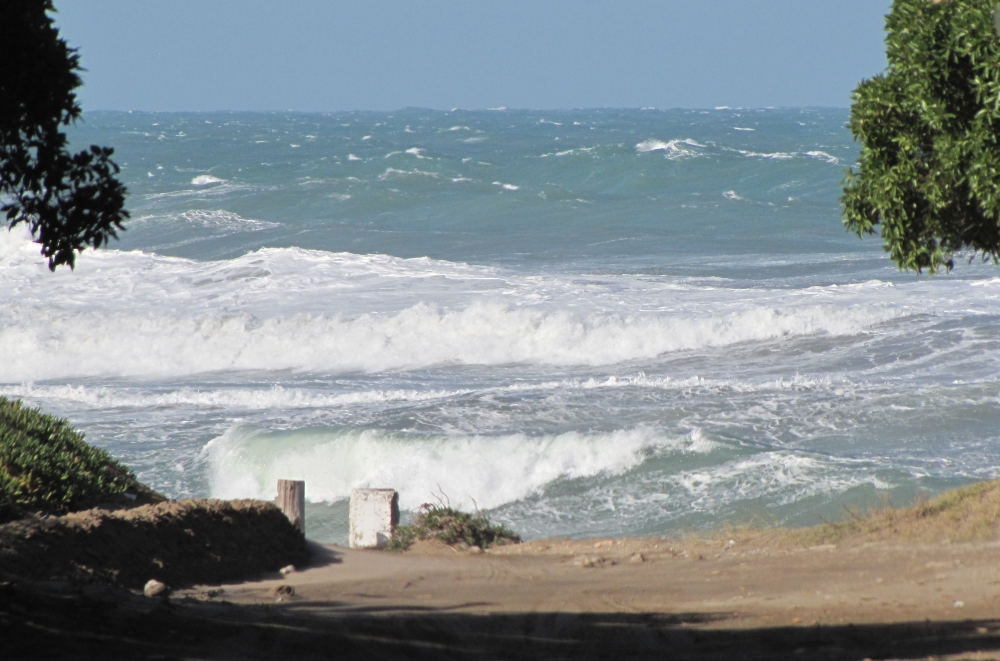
<point>45,465</point>
<point>452,526</point>
<point>929,171</point>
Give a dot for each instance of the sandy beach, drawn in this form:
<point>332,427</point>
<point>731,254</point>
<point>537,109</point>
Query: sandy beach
<point>639,598</point>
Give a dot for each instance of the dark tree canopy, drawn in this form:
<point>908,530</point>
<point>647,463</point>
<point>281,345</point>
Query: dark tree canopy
<point>69,201</point>
<point>929,128</point>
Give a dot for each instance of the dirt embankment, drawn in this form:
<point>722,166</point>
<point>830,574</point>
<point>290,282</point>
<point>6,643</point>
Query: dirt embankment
<point>181,543</point>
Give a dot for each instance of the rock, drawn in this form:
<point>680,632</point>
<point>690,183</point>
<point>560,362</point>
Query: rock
<point>285,571</point>
<point>475,550</point>
<point>154,588</point>
<point>282,591</point>
<point>588,561</point>
<point>823,547</point>
<point>637,557</point>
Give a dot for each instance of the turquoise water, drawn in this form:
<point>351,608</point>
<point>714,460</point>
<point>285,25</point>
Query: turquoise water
<point>588,322</point>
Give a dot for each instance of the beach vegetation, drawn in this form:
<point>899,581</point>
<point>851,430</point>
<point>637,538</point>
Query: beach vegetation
<point>68,200</point>
<point>453,527</point>
<point>928,175</point>
<point>965,514</point>
<point>46,466</point>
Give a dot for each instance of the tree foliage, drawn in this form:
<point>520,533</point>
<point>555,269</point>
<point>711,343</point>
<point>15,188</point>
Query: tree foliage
<point>69,201</point>
<point>929,129</point>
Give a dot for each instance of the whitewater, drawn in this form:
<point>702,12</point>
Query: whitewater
<point>586,322</point>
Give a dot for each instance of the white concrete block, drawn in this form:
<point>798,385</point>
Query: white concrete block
<point>374,517</point>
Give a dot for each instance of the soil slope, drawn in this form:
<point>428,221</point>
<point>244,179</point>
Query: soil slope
<point>178,542</point>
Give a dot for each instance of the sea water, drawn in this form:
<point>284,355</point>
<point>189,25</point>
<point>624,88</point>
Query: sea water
<point>584,322</point>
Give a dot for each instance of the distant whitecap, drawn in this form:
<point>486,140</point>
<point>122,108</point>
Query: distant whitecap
<point>823,156</point>
<point>674,148</point>
<point>205,180</point>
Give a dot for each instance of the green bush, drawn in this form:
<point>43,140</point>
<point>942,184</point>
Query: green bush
<point>45,465</point>
<point>452,526</point>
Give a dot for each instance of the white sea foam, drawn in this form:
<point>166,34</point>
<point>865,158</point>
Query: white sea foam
<point>279,397</point>
<point>697,383</point>
<point>206,179</point>
<point>777,156</point>
<point>395,172</point>
<point>823,156</point>
<point>780,476</point>
<point>732,195</point>
<point>731,486</point>
<point>139,315</point>
<point>567,152</point>
<point>16,244</point>
<point>234,399</point>
<point>43,344</point>
<point>245,462</point>
<point>674,148</point>
<point>221,188</point>
<point>217,219</point>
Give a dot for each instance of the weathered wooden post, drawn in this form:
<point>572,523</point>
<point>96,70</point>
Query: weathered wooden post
<point>292,501</point>
<point>374,517</point>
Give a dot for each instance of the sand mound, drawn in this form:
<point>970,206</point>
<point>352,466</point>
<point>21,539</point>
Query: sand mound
<point>178,542</point>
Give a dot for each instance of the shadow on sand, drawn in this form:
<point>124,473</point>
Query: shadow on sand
<point>70,623</point>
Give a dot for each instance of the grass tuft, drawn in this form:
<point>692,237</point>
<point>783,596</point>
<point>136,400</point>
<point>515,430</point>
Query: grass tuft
<point>46,466</point>
<point>452,526</point>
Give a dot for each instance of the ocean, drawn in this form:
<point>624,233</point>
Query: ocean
<point>583,322</point>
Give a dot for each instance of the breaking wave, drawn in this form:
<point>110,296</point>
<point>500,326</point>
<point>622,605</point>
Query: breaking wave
<point>246,462</point>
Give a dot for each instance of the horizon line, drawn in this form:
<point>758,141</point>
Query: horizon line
<point>495,109</point>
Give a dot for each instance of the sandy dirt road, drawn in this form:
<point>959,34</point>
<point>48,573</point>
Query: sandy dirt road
<point>552,599</point>
<point>654,595</point>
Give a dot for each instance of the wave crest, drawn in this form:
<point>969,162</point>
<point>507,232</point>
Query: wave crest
<point>246,462</point>
<point>40,345</point>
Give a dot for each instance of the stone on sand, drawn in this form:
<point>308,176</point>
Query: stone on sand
<point>154,588</point>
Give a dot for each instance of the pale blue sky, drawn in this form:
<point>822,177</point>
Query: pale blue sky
<point>388,54</point>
